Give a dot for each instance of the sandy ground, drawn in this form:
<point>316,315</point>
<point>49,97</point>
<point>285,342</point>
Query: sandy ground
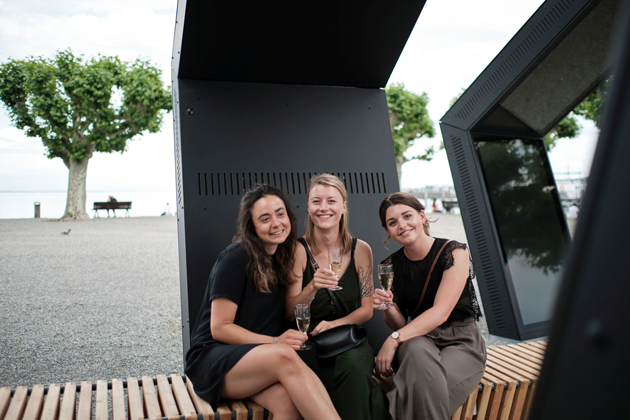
<point>101,302</point>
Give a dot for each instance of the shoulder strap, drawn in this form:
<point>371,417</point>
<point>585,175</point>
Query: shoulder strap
<point>426,283</point>
<point>340,310</point>
<point>308,252</point>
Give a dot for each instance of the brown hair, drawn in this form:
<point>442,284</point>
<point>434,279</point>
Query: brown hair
<point>267,270</point>
<point>346,239</point>
<point>405,199</point>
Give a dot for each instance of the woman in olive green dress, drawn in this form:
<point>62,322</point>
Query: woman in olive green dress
<point>347,376</point>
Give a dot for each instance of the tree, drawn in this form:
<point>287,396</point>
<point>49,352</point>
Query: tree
<point>78,107</point>
<point>409,121</point>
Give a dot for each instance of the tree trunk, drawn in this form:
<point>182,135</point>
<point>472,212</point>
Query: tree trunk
<point>399,162</point>
<point>75,203</point>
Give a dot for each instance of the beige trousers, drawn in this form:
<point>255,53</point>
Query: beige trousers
<point>437,372</point>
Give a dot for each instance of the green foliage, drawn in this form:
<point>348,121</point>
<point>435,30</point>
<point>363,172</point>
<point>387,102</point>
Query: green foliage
<point>78,106</point>
<point>591,107</point>
<point>409,120</point>
<point>567,128</point>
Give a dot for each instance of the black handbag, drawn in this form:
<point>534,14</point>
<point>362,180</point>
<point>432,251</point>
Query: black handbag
<point>336,340</point>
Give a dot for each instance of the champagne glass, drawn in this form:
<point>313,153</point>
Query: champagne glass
<point>386,277</point>
<point>303,319</point>
<point>334,261</point>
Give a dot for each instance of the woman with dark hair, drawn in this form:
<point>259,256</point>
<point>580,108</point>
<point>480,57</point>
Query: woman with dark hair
<point>347,376</point>
<point>237,349</point>
<point>439,355</point>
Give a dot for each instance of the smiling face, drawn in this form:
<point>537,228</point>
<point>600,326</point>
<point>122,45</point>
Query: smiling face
<point>271,222</point>
<point>404,224</point>
<point>325,206</point>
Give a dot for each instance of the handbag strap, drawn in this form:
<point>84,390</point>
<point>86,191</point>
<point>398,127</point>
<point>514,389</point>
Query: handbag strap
<point>426,283</point>
<point>316,266</point>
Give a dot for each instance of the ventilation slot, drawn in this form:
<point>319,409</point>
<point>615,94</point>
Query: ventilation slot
<point>235,183</point>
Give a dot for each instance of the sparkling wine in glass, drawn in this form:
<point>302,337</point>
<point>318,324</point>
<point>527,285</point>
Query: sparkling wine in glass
<point>303,319</point>
<point>386,277</point>
<point>334,261</point>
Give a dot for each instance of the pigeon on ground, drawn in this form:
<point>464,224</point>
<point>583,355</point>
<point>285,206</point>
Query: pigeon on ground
<point>66,233</point>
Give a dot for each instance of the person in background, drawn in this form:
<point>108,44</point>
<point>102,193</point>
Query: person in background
<point>167,210</point>
<point>347,376</point>
<point>439,354</point>
<point>238,349</point>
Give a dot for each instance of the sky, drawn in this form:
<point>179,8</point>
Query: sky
<point>475,32</point>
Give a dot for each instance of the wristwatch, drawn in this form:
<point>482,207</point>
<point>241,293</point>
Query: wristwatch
<point>396,336</point>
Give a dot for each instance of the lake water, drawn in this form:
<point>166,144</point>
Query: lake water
<point>21,205</point>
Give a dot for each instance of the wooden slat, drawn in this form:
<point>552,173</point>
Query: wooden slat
<point>5,400</point>
<point>502,366</point>
<point>529,352</point>
<point>201,405</point>
<point>468,408</point>
<point>151,403</point>
<point>224,411</point>
<point>100,410</point>
<point>483,400</point>
<point>538,346</point>
<point>257,410</point>
<point>68,404</point>
<point>133,398</point>
<point>18,404</point>
<point>496,399</point>
<point>519,361</point>
<point>457,415</point>
<point>85,401</point>
<point>35,403</point>
<point>239,408</point>
<point>506,400</point>
<point>528,401</point>
<point>184,402</point>
<point>51,406</point>
<point>118,400</point>
<point>169,407</point>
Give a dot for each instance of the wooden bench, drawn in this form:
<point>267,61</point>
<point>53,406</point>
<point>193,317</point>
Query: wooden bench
<point>505,393</point>
<point>113,206</point>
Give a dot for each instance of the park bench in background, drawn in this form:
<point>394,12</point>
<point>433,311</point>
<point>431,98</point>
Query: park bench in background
<point>112,205</point>
<point>505,393</point>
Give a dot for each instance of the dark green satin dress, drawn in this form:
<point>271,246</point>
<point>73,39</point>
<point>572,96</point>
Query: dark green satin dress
<point>348,376</point>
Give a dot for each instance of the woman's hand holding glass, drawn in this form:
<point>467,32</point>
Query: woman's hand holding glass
<point>324,279</point>
<point>381,297</point>
<point>292,338</point>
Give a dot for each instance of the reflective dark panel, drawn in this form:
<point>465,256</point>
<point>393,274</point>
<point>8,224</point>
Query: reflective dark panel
<point>530,223</point>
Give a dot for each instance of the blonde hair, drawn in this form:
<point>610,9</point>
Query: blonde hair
<point>329,180</point>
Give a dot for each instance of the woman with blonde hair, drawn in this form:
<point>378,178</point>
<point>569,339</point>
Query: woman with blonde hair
<point>440,354</point>
<point>348,375</point>
<point>237,348</point>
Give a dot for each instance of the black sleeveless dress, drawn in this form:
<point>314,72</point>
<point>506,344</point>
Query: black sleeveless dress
<point>348,376</point>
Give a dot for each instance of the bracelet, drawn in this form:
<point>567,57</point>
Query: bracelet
<point>272,339</point>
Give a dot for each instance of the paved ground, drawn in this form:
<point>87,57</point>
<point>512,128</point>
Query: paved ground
<point>101,302</point>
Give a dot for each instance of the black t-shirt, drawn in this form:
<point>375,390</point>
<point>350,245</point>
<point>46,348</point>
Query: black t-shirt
<point>410,277</point>
<point>231,278</point>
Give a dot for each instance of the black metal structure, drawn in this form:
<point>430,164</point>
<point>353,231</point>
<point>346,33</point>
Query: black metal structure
<point>494,140</point>
<point>267,93</point>
<point>590,336</point>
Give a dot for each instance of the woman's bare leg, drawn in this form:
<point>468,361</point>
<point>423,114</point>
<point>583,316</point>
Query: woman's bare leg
<point>277,400</point>
<point>269,364</point>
